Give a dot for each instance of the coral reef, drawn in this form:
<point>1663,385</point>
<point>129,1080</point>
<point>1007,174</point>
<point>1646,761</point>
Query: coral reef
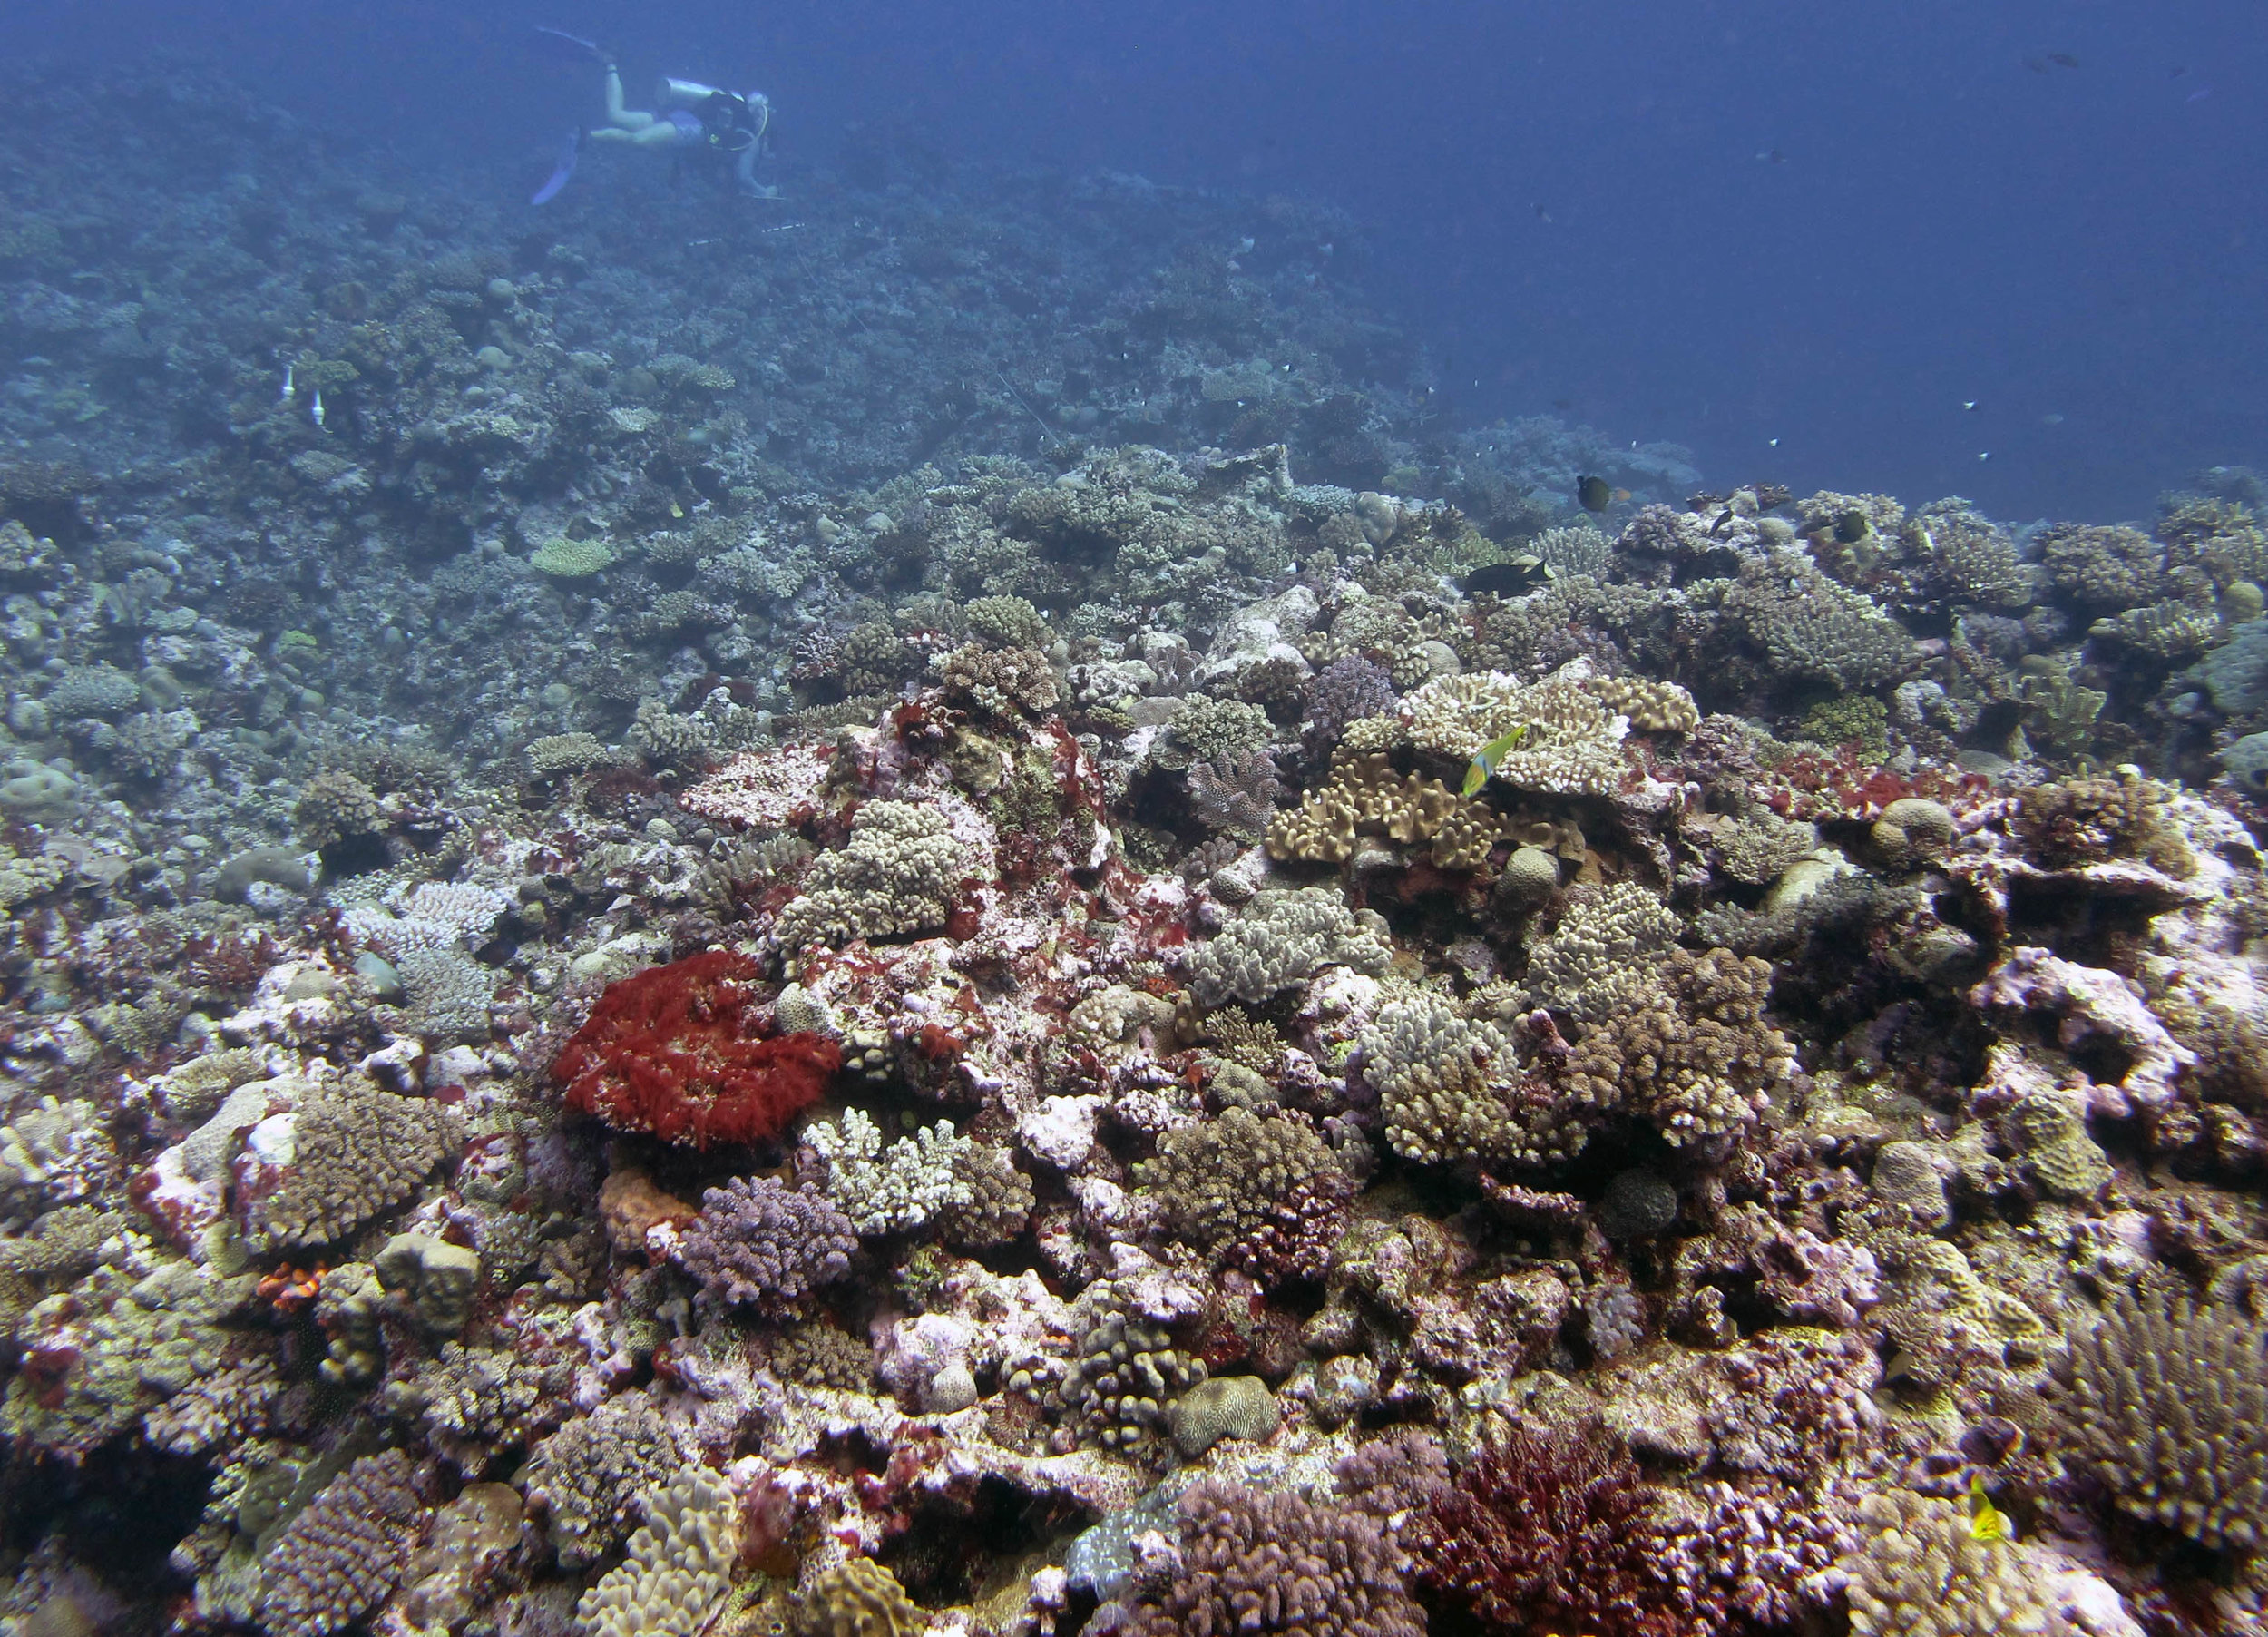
<point>685,952</point>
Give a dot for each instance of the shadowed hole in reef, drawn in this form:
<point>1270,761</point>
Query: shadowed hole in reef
<point>956,1543</point>
<point>120,1512</point>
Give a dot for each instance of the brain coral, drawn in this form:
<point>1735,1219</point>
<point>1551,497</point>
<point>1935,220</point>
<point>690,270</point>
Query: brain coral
<point>673,1051</point>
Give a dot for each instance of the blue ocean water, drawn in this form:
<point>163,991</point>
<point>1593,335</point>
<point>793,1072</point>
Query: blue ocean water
<point>1719,224</point>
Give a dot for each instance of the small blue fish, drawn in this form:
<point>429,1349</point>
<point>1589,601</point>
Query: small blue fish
<point>1484,762</point>
<point>289,391</point>
<point>319,409</point>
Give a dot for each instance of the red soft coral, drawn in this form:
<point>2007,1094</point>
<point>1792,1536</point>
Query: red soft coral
<point>674,1050</point>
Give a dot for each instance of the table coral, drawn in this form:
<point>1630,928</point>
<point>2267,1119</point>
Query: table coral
<point>673,1051</point>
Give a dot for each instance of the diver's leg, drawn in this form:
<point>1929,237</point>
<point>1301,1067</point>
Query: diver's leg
<point>620,117</point>
<point>746,170</point>
<point>661,133</point>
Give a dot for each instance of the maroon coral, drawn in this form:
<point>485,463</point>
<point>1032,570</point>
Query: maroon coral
<point>1550,1533</point>
<point>759,1243</point>
<point>676,1051</point>
<point>1253,1563</point>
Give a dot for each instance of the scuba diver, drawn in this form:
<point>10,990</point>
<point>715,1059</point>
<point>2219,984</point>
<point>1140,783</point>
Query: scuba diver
<point>694,118</point>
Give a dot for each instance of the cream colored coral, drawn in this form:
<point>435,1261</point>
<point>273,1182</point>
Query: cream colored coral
<point>679,1567</point>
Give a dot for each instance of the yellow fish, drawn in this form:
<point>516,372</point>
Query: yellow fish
<point>1495,750</point>
<point>1986,1522</point>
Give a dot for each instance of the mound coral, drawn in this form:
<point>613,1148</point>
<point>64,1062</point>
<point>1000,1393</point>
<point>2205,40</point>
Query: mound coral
<point>673,1051</point>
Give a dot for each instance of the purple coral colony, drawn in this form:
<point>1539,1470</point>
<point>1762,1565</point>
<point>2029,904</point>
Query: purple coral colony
<point>1090,1104</point>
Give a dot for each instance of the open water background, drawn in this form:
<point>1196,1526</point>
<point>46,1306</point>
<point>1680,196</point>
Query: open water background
<point>1574,203</point>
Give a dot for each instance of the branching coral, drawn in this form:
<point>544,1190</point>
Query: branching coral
<point>356,1152</point>
<point>1254,1562</point>
<point>1448,1085</point>
<point>1280,938</point>
<point>2166,1402</point>
<point>1808,628</point>
<point>1570,742</point>
<point>1263,1192</point>
<point>1548,1533</point>
<point>896,875</point>
<point>673,1051</point>
<point>679,1564</point>
<point>1695,1058</point>
<point>589,1475</point>
<point>335,1562</point>
<point>1366,797</point>
<point>760,1243</point>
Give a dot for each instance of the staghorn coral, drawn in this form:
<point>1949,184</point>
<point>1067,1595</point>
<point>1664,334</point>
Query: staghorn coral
<point>679,1566</point>
<point>896,875</point>
<point>1281,938</point>
<point>1254,1562</point>
<point>1263,1192</point>
<point>356,1153</point>
<point>2164,1401</point>
<point>346,1552</point>
<point>757,1242</point>
<point>673,1051</point>
<point>2170,629</point>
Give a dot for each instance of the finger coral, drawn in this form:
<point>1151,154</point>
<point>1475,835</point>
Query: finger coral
<point>1254,1563</point>
<point>674,1050</point>
<point>2166,1402</point>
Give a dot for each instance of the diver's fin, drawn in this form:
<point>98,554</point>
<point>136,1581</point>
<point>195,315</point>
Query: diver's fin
<point>592,46</point>
<point>562,175</point>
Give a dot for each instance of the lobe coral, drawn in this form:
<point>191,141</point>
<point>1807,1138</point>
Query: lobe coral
<point>675,1050</point>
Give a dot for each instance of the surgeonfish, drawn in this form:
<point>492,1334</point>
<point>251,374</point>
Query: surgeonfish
<point>1594,494</point>
<point>1485,759</point>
